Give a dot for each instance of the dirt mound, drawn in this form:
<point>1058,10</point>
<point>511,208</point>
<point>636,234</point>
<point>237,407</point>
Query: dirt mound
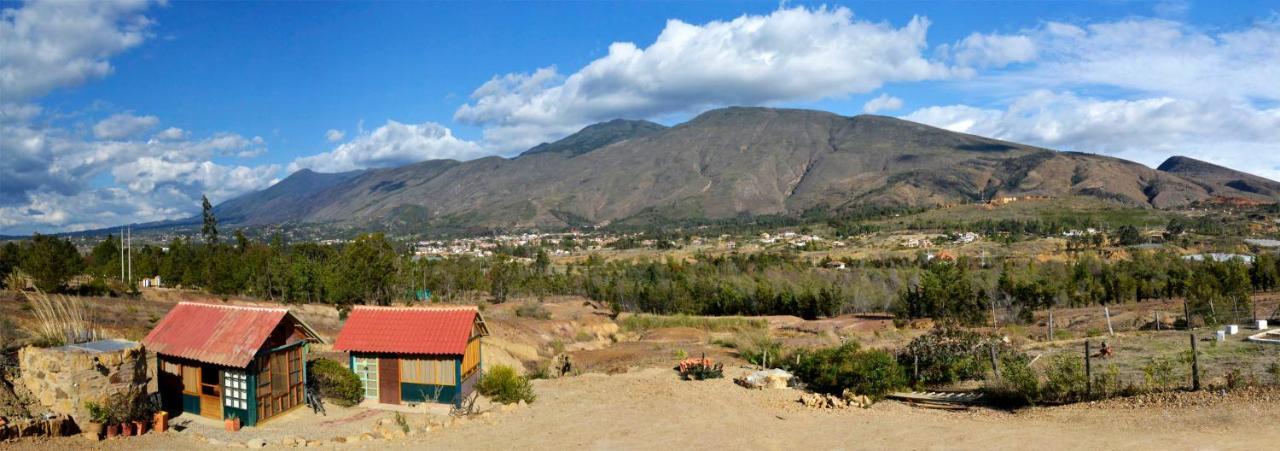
<point>675,335</point>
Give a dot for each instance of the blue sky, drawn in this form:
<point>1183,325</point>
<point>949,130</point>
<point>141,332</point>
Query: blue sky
<point>119,112</point>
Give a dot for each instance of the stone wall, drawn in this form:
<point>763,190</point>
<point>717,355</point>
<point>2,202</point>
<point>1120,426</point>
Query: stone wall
<point>63,379</point>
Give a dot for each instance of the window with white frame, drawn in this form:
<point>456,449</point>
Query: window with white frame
<point>367,369</point>
<point>235,389</point>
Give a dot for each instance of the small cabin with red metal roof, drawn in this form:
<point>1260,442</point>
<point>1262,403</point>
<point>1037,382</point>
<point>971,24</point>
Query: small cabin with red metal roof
<point>409,355</point>
<point>222,361</point>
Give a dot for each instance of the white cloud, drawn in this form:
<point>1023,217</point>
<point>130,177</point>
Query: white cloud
<point>792,54</point>
<point>1146,130</point>
<point>171,134</point>
<point>47,172</point>
<point>334,135</point>
<point>123,125</point>
<point>392,144</point>
<point>1155,56</point>
<point>52,44</point>
<point>884,102</point>
<point>994,50</point>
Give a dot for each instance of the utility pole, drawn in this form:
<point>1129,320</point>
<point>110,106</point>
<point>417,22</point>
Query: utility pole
<point>121,254</point>
<point>129,283</point>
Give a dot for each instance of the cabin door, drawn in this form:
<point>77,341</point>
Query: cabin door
<point>389,380</point>
<point>210,393</point>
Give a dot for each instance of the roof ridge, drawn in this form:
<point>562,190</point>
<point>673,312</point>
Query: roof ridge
<point>236,307</point>
<point>418,308</point>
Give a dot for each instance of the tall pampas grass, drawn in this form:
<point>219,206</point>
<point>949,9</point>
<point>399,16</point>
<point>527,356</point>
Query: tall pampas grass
<point>60,320</point>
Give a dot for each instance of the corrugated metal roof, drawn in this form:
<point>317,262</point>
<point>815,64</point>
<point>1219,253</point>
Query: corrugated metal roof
<point>409,330</point>
<point>219,334</point>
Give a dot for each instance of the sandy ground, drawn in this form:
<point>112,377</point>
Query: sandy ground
<point>652,408</point>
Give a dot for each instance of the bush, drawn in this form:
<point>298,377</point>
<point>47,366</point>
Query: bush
<point>1065,379</point>
<point>1158,373</point>
<point>873,373</point>
<point>1274,371</point>
<point>948,354</point>
<point>503,385</point>
<point>1018,384</point>
<point>531,309</point>
<point>336,382</point>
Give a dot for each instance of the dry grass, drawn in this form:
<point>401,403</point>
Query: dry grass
<point>59,320</point>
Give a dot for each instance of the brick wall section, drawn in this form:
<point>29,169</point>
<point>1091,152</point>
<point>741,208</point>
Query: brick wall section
<point>62,380</point>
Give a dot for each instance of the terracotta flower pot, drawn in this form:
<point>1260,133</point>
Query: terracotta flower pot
<point>113,430</point>
<point>232,425</point>
<point>139,427</point>
<point>126,429</point>
<point>161,421</point>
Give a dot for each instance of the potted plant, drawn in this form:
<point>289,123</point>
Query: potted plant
<point>113,430</point>
<point>232,423</point>
<point>97,418</point>
<point>126,428</point>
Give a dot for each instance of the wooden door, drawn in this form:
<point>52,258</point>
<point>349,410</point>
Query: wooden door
<point>210,393</point>
<point>389,380</point>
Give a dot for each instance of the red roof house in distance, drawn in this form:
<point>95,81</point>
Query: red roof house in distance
<point>220,361</point>
<point>408,355</point>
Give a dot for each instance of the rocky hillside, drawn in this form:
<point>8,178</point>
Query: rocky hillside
<point>724,163</point>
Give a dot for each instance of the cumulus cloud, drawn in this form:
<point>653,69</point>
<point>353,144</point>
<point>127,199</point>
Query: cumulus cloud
<point>392,144</point>
<point>1146,130</point>
<point>123,125</point>
<point>792,54</point>
<point>884,102</point>
<point>47,171</point>
<point>334,135</point>
<point>994,50</point>
<point>52,44</point>
<point>1157,56</point>
<point>171,134</point>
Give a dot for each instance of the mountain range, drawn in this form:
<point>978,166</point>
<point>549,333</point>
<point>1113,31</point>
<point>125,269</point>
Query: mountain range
<point>725,163</point>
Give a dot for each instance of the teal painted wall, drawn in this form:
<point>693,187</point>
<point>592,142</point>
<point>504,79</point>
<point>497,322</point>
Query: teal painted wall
<point>191,403</point>
<point>419,392</point>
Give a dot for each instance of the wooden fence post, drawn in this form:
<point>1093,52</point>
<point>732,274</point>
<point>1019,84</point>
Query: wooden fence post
<point>1156,313</point>
<point>1186,313</point>
<point>995,368</point>
<point>1088,369</point>
<point>1195,365</point>
<point>1050,323</point>
<point>1107,311</point>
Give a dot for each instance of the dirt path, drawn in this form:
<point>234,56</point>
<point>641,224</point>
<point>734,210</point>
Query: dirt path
<point>652,409</point>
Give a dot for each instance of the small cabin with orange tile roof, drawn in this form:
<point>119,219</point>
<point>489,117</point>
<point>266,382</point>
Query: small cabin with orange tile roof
<point>409,355</point>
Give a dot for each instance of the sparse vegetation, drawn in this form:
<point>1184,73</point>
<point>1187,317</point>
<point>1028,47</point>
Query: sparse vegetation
<point>643,322</point>
<point>502,384</point>
<point>60,319</point>
<point>754,346</point>
<point>533,309</point>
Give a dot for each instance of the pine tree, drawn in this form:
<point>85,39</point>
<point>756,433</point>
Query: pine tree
<point>210,229</point>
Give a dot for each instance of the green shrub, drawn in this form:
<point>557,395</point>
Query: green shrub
<point>532,309</point>
<point>873,373</point>
<point>949,354</point>
<point>503,385</point>
<point>336,382</point>
<point>1018,383</point>
<point>1065,379</point>
<point>1158,373</point>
